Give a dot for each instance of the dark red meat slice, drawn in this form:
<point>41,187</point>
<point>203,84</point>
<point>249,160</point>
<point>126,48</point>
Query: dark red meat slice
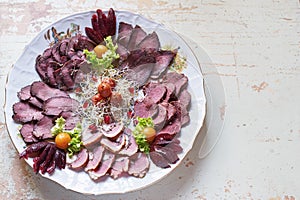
<point>56,105</point>
<point>33,150</point>
<point>24,93</point>
<point>157,93</point>
<point>151,41</point>
<point>143,110</point>
<point>168,153</point>
<point>179,80</point>
<point>163,60</point>
<point>35,102</point>
<point>141,73</point>
<point>102,21</point>
<point>124,33</point>
<point>137,35</point>
<point>185,98</point>
<point>27,133</point>
<point>93,35</point>
<point>60,158</point>
<point>42,129</point>
<point>160,120</point>
<point>47,162</point>
<point>37,161</point>
<point>71,120</point>
<point>24,112</point>
<point>111,22</point>
<point>159,160</point>
<point>42,91</point>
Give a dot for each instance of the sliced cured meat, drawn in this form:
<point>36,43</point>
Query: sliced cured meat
<point>124,33</point>
<point>163,60</point>
<point>81,161</point>
<point>156,93</point>
<point>141,109</point>
<point>24,93</point>
<point>103,168</point>
<point>113,130</point>
<point>91,136</point>
<point>141,73</point>
<point>137,35</point>
<point>171,110</point>
<point>43,92</point>
<point>160,120</point>
<point>56,105</point>
<point>95,158</point>
<point>71,119</point>
<point>167,153</point>
<point>179,80</point>
<point>33,149</point>
<point>184,114</point>
<point>139,165</point>
<point>172,128</point>
<point>114,145</point>
<point>60,158</point>
<point>24,112</point>
<point>170,94</point>
<point>42,129</point>
<point>130,147</point>
<point>159,160</point>
<point>27,133</point>
<point>35,102</point>
<point>111,22</point>
<point>122,51</point>
<point>185,98</point>
<point>120,166</point>
<point>151,41</point>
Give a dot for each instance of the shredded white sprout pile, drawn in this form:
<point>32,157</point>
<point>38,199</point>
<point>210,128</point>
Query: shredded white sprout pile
<point>94,114</point>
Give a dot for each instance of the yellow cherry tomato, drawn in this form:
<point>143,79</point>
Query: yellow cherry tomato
<point>100,50</point>
<point>150,133</point>
<point>62,140</point>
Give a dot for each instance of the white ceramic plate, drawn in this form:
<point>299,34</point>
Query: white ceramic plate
<point>23,73</point>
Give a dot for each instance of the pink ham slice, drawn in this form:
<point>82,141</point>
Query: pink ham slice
<point>92,139</point>
<point>139,165</point>
<point>120,166</point>
<point>81,160</point>
<point>113,130</point>
<point>130,148</point>
<point>95,158</point>
<point>103,168</point>
<point>114,145</point>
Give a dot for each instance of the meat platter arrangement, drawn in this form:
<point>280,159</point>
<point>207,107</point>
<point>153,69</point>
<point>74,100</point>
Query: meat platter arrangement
<point>109,104</point>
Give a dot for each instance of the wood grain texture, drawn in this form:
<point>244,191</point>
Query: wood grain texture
<point>255,46</point>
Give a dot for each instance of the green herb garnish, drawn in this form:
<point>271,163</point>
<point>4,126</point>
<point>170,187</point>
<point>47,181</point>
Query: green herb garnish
<point>107,59</point>
<point>139,136</point>
<point>75,144</point>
